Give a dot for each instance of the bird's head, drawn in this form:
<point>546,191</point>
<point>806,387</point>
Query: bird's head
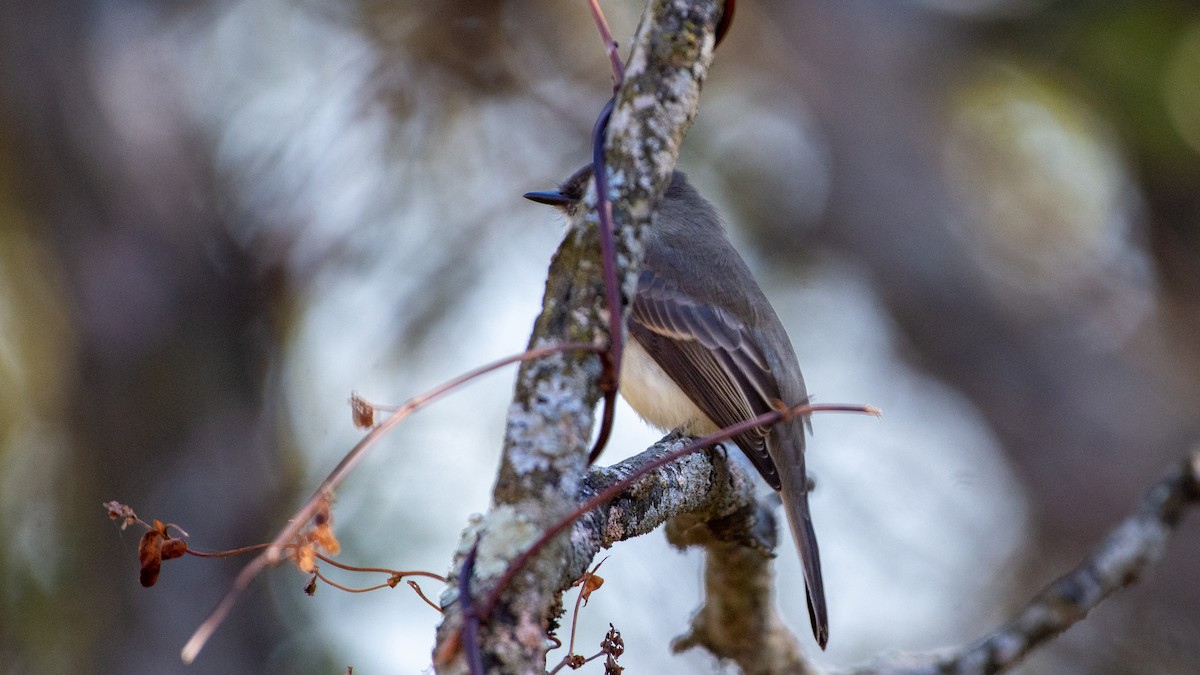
<point>568,195</point>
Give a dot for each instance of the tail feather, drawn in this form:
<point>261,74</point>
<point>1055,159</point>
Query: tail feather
<point>796,507</point>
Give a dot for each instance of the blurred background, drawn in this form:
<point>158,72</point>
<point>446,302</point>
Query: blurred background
<point>218,218</point>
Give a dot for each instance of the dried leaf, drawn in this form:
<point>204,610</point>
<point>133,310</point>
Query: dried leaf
<point>306,558</point>
<point>322,535</point>
<point>361,411</point>
<point>122,512</point>
<point>150,557</point>
<point>173,548</point>
<point>590,583</point>
<point>612,644</point>
<point>322,532</point>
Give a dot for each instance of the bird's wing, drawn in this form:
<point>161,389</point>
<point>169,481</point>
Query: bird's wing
<point>712,356</point>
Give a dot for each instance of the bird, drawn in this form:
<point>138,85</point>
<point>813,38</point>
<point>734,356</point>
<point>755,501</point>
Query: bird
<point>706,350</point>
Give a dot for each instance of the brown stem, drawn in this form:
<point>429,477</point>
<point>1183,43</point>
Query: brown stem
<point>274,552</point>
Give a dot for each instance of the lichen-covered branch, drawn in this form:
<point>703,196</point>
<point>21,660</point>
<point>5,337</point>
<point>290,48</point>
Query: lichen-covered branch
<point>704,484</point>
<point>544,461</point>
<point>1122,558</point>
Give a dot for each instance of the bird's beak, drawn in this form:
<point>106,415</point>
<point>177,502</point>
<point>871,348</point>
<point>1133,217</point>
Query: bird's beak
<point>554,198</point>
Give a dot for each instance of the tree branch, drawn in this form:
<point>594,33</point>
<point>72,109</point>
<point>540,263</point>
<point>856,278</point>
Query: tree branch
<point>1132,548</point>
<point>704,484</point>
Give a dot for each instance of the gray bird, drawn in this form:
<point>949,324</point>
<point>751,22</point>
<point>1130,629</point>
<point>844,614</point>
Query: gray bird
<point>707,351</point>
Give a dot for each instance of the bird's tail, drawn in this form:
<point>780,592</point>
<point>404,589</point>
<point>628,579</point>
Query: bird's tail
<point>795,504</point>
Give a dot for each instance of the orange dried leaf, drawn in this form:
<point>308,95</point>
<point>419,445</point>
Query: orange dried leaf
<point>149,558</point>
<point>590,583</point>
<point>323,536</point>
<point>306,558</point>
<point>173,548</point>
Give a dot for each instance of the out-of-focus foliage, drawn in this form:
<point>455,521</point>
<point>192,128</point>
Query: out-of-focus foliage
<point>219,218</point>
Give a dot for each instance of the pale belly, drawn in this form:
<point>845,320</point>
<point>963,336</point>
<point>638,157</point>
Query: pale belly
<point>655,397</point>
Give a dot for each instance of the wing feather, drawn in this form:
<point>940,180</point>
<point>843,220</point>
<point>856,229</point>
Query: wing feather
<point>712,356</point>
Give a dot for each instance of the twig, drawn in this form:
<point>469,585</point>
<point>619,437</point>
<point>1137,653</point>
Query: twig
<point>583,592</point>
<point>421,594</point>
<point>1126,554</point>
<point>470,624</point>
<point>397,574</point>
<point>571,659</point>
<point>609,44</point>
<point>206,629</point>
<point>356,454</point>
<point>609,379</point>
<point>349,589</point>
<point>274,552</point>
